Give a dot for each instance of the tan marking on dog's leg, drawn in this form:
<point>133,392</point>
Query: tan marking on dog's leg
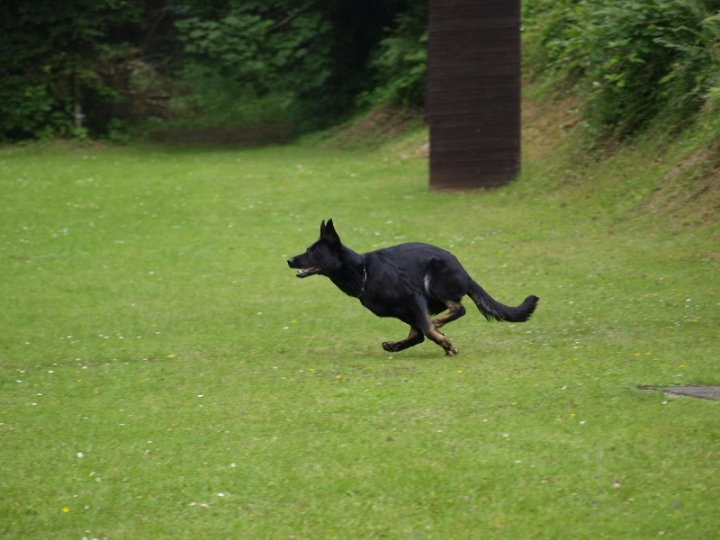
<point>414,338</point>
<point>428,328</point>
<point>438,337</point>
<point>455,311</point>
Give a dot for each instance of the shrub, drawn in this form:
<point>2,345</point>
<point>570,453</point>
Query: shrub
<point>400,60</point>
<point>631,62</point>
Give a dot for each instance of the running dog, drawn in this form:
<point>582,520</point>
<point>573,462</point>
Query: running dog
<point>410,282</point>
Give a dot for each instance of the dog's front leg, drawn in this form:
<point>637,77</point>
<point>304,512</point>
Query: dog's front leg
<point>414,338</point>
<point>444,342</point>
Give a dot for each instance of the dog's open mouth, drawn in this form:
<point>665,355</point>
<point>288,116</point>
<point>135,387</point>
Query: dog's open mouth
<point>305,272</point>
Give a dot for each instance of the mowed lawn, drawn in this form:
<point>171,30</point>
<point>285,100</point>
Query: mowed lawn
<point>163,373</point>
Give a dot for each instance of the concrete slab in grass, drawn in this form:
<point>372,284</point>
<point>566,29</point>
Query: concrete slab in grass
<point>707,392</point>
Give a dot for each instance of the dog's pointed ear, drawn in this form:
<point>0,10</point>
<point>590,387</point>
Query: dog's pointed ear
<point>322,228</point>
<point>328,233</point>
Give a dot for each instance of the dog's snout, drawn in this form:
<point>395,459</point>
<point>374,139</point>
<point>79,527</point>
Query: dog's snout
<point>291,261</point>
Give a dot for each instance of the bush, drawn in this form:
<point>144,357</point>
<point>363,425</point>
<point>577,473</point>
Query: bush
<point>630,62</point>
<point>50,55</point>
<point>400,60</point>
<point>255,61</point>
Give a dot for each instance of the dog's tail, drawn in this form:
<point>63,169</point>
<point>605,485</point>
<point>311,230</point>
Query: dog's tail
<point>493,310</point>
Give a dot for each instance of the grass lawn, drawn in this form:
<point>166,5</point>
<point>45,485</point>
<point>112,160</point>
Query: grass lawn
<point>163,374</point>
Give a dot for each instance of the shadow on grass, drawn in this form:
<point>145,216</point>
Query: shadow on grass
<point>245,135</point>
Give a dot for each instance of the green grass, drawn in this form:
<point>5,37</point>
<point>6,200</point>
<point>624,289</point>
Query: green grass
<point>164,374</point>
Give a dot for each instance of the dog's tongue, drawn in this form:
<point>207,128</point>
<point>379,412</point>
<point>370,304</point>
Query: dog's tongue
<point>305,272</point>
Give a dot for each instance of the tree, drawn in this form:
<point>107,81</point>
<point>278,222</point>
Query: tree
<point>319,54</point>
<point>113,59</point>
<point>49,54</point>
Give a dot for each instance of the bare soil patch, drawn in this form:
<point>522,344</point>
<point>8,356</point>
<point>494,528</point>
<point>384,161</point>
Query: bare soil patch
<point>690,191</point>
<point>256,134</point>
<point>546,125</point>
<point>376,128</point>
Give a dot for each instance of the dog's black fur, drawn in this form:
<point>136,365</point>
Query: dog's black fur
<point>410,282</point>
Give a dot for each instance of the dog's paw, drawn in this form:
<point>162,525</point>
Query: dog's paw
<point>390,346</point>
<point>452,351</point>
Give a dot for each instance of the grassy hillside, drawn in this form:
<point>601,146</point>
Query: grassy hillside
<point>164,375</point>
<point>663,179</point>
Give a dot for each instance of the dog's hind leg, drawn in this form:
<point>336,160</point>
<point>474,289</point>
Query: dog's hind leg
<point>445,283</point>
<point>455,311</point>
<point>414,338</point>
<point>421,327</point>
<point>431,332</point>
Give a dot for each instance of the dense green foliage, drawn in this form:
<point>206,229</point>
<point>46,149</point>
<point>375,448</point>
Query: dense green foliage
<point>401,61</point>
<point>271,49</point>
<point>123,60</point>
<point>313,62</point>
<point>51,57</point>
<point>630,62</point>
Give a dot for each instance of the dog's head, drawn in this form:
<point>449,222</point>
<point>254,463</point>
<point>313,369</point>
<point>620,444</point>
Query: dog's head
<point>323,257</point>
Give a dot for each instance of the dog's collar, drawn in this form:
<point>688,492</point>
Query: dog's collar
<point>364,281</point>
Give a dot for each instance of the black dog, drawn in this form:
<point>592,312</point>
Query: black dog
<point>410,282</point>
